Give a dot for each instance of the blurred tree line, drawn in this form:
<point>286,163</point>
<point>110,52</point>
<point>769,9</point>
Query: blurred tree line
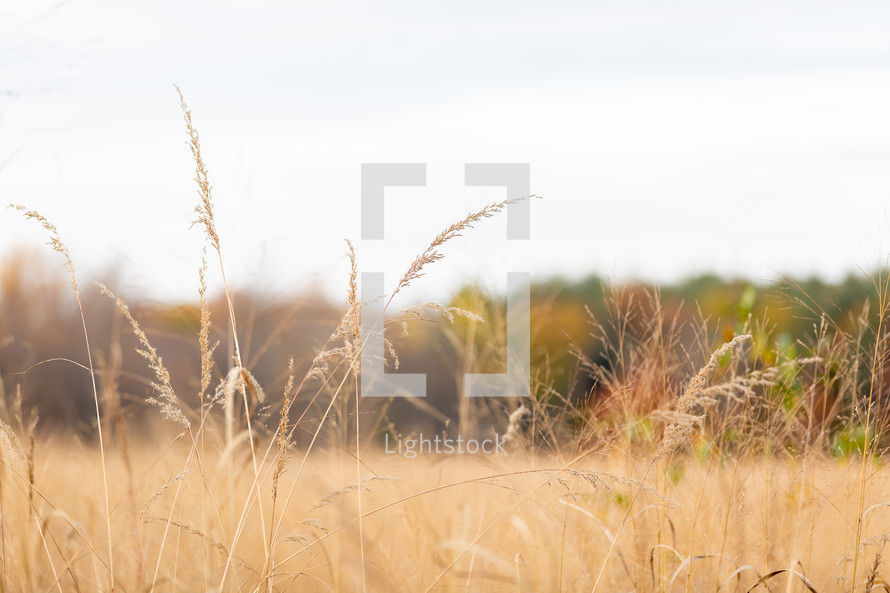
<point>41,341</point>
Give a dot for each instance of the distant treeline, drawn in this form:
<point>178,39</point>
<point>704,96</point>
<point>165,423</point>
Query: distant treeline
<point>42,346</point>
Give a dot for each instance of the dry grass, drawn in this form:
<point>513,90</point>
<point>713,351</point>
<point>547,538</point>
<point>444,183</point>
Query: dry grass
<point>694,464</point>
<point>444,524</point>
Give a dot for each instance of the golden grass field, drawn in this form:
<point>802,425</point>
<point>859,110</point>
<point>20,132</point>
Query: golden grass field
<point>706,462</point>
<point>442,524</point>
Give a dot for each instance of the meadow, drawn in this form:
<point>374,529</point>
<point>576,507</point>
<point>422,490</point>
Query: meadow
<point>661,449</point>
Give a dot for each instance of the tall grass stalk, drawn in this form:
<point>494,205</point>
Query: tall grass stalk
<point>59,247</point>
<point>882,286</point>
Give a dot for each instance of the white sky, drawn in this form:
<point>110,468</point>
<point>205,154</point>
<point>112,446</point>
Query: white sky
<point>745,138</point>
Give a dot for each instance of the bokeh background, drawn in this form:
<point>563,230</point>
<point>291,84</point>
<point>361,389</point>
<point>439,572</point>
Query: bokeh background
<point>712,149</point>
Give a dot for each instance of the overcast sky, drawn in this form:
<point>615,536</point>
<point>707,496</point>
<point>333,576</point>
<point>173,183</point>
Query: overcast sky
<point>667,139</point>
